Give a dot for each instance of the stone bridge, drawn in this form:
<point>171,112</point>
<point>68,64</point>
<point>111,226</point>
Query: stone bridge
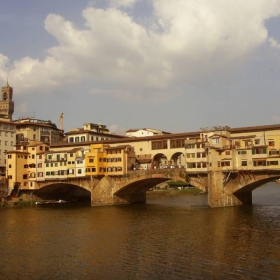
<point>235,187</point>
<point>107,190</point>
<point>224,188</point>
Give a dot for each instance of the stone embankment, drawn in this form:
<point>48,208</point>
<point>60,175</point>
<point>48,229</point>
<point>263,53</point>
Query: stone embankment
<point>15,201</point>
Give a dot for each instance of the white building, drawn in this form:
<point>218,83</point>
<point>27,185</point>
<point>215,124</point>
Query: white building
<point>90,133</point>
<point>144,132</point>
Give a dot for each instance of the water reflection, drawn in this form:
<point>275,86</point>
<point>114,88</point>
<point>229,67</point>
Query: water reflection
<point>170,237</point>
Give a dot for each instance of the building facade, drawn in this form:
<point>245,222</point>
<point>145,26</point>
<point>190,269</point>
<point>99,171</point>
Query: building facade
<point>104,160</point>
<point>144,132</point>
<point>90,133</point>
<point>225,149</point>
<point>218,149</point>
<point>64,164</point>
<point>38,130</point>
<point>26,165</point>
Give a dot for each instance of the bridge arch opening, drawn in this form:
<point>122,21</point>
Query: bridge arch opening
<point>68,192</point>
<point>244,194</point>
<point>160,160</point>
<point>136,191</point>
<point>268,194</point>
<point>178,160</point>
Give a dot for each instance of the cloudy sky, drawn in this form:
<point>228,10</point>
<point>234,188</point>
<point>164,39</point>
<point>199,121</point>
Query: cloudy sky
<point>175,65</point>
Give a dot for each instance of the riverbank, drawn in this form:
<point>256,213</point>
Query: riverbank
<point>19,202</point>
<point>16,202</point>
<point>174,191</point>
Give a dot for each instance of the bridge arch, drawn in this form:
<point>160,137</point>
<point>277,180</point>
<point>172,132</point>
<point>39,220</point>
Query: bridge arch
<point>142,185</point>
<point>254,185</point>
<point>65,191</point>
<point>235,188</point>
<point>159,160</point>
<point>136,191</point>
<point>178,159</point>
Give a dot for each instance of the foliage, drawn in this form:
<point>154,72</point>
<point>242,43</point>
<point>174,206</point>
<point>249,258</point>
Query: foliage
<point>176,184</point>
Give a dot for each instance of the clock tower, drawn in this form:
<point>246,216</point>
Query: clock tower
<point>7,103</point>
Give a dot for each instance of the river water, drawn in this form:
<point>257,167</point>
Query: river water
<point>172,236</point>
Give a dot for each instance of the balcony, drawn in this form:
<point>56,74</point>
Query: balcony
<point>259,156</point>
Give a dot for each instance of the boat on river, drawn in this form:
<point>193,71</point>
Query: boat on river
<point>50,202</point>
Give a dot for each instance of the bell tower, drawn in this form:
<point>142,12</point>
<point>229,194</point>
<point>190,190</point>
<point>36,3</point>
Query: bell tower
<point>7,103</point>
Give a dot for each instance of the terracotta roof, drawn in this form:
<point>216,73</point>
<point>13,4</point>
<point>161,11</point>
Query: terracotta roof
<point>118,147</point>
<point>6,121</point>
<point>255,128</point>
<point>80,131</point>
<point>65,151</point>
<point>36,124</point>
<point>17,152</point>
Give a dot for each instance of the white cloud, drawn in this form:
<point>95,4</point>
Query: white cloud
<point>195,42</point>
<point>4,72</point>
<point>122,3</point>
<point>274,43</point>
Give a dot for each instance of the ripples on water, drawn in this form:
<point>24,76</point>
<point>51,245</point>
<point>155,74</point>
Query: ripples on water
<point>170,237</point>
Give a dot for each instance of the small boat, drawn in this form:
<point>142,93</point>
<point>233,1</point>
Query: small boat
<point>50,202</point>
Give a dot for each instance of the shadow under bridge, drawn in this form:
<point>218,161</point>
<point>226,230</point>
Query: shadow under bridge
<point>136,192</point>
<point>64,191</point>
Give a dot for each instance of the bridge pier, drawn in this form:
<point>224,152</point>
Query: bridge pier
<point>222,195</point>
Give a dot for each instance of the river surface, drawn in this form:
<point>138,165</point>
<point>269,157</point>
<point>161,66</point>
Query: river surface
<point>173,236</point>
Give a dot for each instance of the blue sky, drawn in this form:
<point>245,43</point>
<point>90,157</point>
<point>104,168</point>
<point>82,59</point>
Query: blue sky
<point>177,66</point>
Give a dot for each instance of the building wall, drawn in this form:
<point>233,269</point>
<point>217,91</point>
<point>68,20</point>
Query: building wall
<point>65,164</point>
<point>253,150</point>
<point>26,165</point>
<point>74,137</point>
<point>140,133</point>
<point>37,130</point>
<point>104,160</point>
<point>7,142</point>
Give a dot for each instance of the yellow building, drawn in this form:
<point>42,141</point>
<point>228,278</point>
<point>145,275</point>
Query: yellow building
<point>103,160</point>
<point>65,164</point>
<point>26,165</point>
<point>225,149</point>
